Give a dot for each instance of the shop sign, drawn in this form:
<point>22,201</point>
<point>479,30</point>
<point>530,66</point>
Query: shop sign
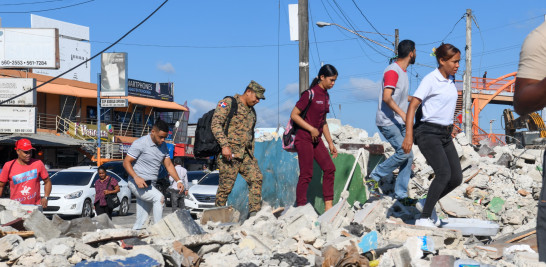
<point>10,87</point>
<point>159,91</point>
<point>17,119</point>
<point>89,131</point>
<point>113,102</point>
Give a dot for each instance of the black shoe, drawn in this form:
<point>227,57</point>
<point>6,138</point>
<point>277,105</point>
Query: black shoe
<point>408,201</point>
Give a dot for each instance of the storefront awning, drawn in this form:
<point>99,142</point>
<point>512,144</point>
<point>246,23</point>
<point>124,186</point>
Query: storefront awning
<point>43,140</point>
<point>155,103</point>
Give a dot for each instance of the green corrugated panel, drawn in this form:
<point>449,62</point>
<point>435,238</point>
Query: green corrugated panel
<point>344,164</point>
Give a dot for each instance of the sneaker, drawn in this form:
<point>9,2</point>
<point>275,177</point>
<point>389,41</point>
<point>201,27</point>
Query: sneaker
<point>433,216</point>
<point>408,201</point>
<point>425,222</point>
<point>372,186</point>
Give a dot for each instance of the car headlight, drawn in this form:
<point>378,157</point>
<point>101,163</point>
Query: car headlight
<point>188,196</point>
<point>76,194</point>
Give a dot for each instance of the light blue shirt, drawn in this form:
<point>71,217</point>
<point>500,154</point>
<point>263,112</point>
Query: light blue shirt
<point>149,157</point>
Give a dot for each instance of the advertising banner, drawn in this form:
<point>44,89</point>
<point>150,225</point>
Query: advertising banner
<point>113,74</point>
<point>25,48</point>
<point>17,119</point>
<point>159,91</point>
<point>89,131</point>
<point>10,87</point>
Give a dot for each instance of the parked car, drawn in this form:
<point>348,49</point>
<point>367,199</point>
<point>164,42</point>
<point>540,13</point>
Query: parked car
<point>162,183</point>
<point>202,193</point>
<point>192,175</point>
<point>73,192</point>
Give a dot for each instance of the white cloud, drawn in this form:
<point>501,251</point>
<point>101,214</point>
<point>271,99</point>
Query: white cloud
<point>365,89</point>
<point>292,88</point>
<point>198,107</point>
<point>268,116</point>
<point>167,67</point>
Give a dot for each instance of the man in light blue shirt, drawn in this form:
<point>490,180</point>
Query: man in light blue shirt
<point>142,163</point>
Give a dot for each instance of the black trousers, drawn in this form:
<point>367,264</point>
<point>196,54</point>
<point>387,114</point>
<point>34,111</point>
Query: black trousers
<point>541,218</point>
<point>177,199</point>
<point>102,209</point>
<point>436,144</point>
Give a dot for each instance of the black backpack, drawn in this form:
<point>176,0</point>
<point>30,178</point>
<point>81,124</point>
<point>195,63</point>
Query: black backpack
<point>205,144</point>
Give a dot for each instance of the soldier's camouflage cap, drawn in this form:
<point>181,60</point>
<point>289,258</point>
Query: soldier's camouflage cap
<point>257,88</point>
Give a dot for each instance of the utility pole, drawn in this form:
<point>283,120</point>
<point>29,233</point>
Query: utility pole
<point>396,41</point>
<point>303,32</point>
<point>467,79</point>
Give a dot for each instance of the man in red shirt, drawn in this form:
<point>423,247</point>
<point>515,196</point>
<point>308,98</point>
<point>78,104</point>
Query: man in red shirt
<point>24,175</point>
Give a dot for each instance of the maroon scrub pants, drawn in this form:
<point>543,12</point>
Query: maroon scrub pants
<point>307,151</point>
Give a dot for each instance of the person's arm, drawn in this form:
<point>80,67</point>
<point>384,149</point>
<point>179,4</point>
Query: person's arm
<point>172,172</point>
<point>2,184</point>
<point>296,118</point>
<point>387,98</point>
<point>408,140</point>
<point>529,95</point>
<point>47,191</point>
<point>128,165</point>
<point>326,132</point>
<point>218,123</point>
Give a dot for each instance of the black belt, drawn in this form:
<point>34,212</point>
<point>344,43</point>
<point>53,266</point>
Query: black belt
<point>439,126</point>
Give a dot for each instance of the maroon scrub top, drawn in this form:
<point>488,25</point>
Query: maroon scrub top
<point>316,115</point>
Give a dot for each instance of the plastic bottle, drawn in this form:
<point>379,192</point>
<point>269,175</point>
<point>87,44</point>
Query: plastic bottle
<point>427,243</point>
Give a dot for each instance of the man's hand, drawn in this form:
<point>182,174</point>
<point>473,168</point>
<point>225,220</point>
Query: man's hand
<point>141,183</point>
<point>314,134</point>
<point>226,153</point>
<point>333,150</point>
<point>180,187</point>
<point>407,144</point>
<point>44,202</point>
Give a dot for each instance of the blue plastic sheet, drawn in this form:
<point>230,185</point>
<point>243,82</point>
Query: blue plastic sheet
<point>136,261</point>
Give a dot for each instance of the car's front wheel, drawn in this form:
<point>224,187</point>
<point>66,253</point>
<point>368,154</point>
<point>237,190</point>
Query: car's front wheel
<point>87,209</point>
<point>124,207</point>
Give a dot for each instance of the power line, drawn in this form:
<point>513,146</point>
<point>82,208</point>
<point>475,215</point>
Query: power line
<point>369,22</point>
<point>441,41</point>
<point>84,62</point>
<point>30,3</point>
<point>44,10</point>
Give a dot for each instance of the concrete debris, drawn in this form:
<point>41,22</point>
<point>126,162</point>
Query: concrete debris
<point>488,220</point>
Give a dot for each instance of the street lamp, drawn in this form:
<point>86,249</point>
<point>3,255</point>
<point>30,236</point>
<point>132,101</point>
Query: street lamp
<point>323,24</point>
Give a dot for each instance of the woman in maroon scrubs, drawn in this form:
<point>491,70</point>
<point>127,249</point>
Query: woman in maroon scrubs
<point>308,140</point>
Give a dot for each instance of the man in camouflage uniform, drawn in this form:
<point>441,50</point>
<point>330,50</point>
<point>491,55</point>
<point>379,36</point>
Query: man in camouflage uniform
<point>237,154</point>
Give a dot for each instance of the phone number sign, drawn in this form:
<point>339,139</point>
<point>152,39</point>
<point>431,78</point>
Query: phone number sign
<point>17,119</point>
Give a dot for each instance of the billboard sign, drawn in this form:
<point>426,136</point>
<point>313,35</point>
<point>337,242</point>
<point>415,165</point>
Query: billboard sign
<point>74,48</point>
<point>113,103</point>
<point>159,91</point>
<point>113,74</point>
<point>10,87</point>
<point>26,48</point>
<point>17,119</point>
<point>89,131</point>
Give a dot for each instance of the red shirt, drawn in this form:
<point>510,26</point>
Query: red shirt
<point>100,186</point>
<point>316,115</point>
<point>24,180</point>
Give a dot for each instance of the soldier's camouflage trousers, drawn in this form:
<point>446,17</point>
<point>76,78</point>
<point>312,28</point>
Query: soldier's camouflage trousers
<point>248,167</point>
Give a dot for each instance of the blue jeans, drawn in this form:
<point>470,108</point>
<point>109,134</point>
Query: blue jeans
<point>395,136</point>
<point>148,199</point>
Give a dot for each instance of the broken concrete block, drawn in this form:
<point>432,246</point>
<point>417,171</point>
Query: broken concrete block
<point>413,245</point>
<point>205,249</point>
<point>176,225</point>
<point>112,235</point>
<point>41,226</point>
<point>219,214</point>
<point>6,216</point>
<point>455,207</point>
<point>204,239</point>
<point>504,160</point>
<point>9,243</point>
<point>443,238</point>
<point>337,216</point>
<point>30,259</point>
<point>307,235</point>
<point>442,261</point>
<point>55,260</point>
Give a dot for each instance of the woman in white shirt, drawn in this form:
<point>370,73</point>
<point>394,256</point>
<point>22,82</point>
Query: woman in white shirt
<point>438,96</point>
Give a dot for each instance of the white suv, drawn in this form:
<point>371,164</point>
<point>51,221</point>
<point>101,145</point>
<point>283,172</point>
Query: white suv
<point>202,193</point>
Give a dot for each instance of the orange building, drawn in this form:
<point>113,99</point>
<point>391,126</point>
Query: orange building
<point>66,122</point>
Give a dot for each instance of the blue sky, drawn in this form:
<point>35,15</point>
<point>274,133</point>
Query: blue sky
<point>211,49</point>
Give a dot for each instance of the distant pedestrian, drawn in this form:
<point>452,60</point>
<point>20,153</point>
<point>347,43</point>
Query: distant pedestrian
<point>104,186</point>
<point>308,142</point>
<point>529,96</point>
<point>438,96</point>
<point>142,163</point>
<point>484,79</point>
<point>206,168</point>
<point>24,174</point>
<point>177,198</point>
<point>391,121</point>
<point>237,154</point>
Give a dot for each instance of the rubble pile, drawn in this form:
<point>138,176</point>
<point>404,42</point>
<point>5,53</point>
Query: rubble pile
<point>499,193</point>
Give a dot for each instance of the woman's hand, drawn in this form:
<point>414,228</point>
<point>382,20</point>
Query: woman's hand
<point>314,134</point>
<point>333,150</point>
<point>106,192</point>
<point>407,144</point>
